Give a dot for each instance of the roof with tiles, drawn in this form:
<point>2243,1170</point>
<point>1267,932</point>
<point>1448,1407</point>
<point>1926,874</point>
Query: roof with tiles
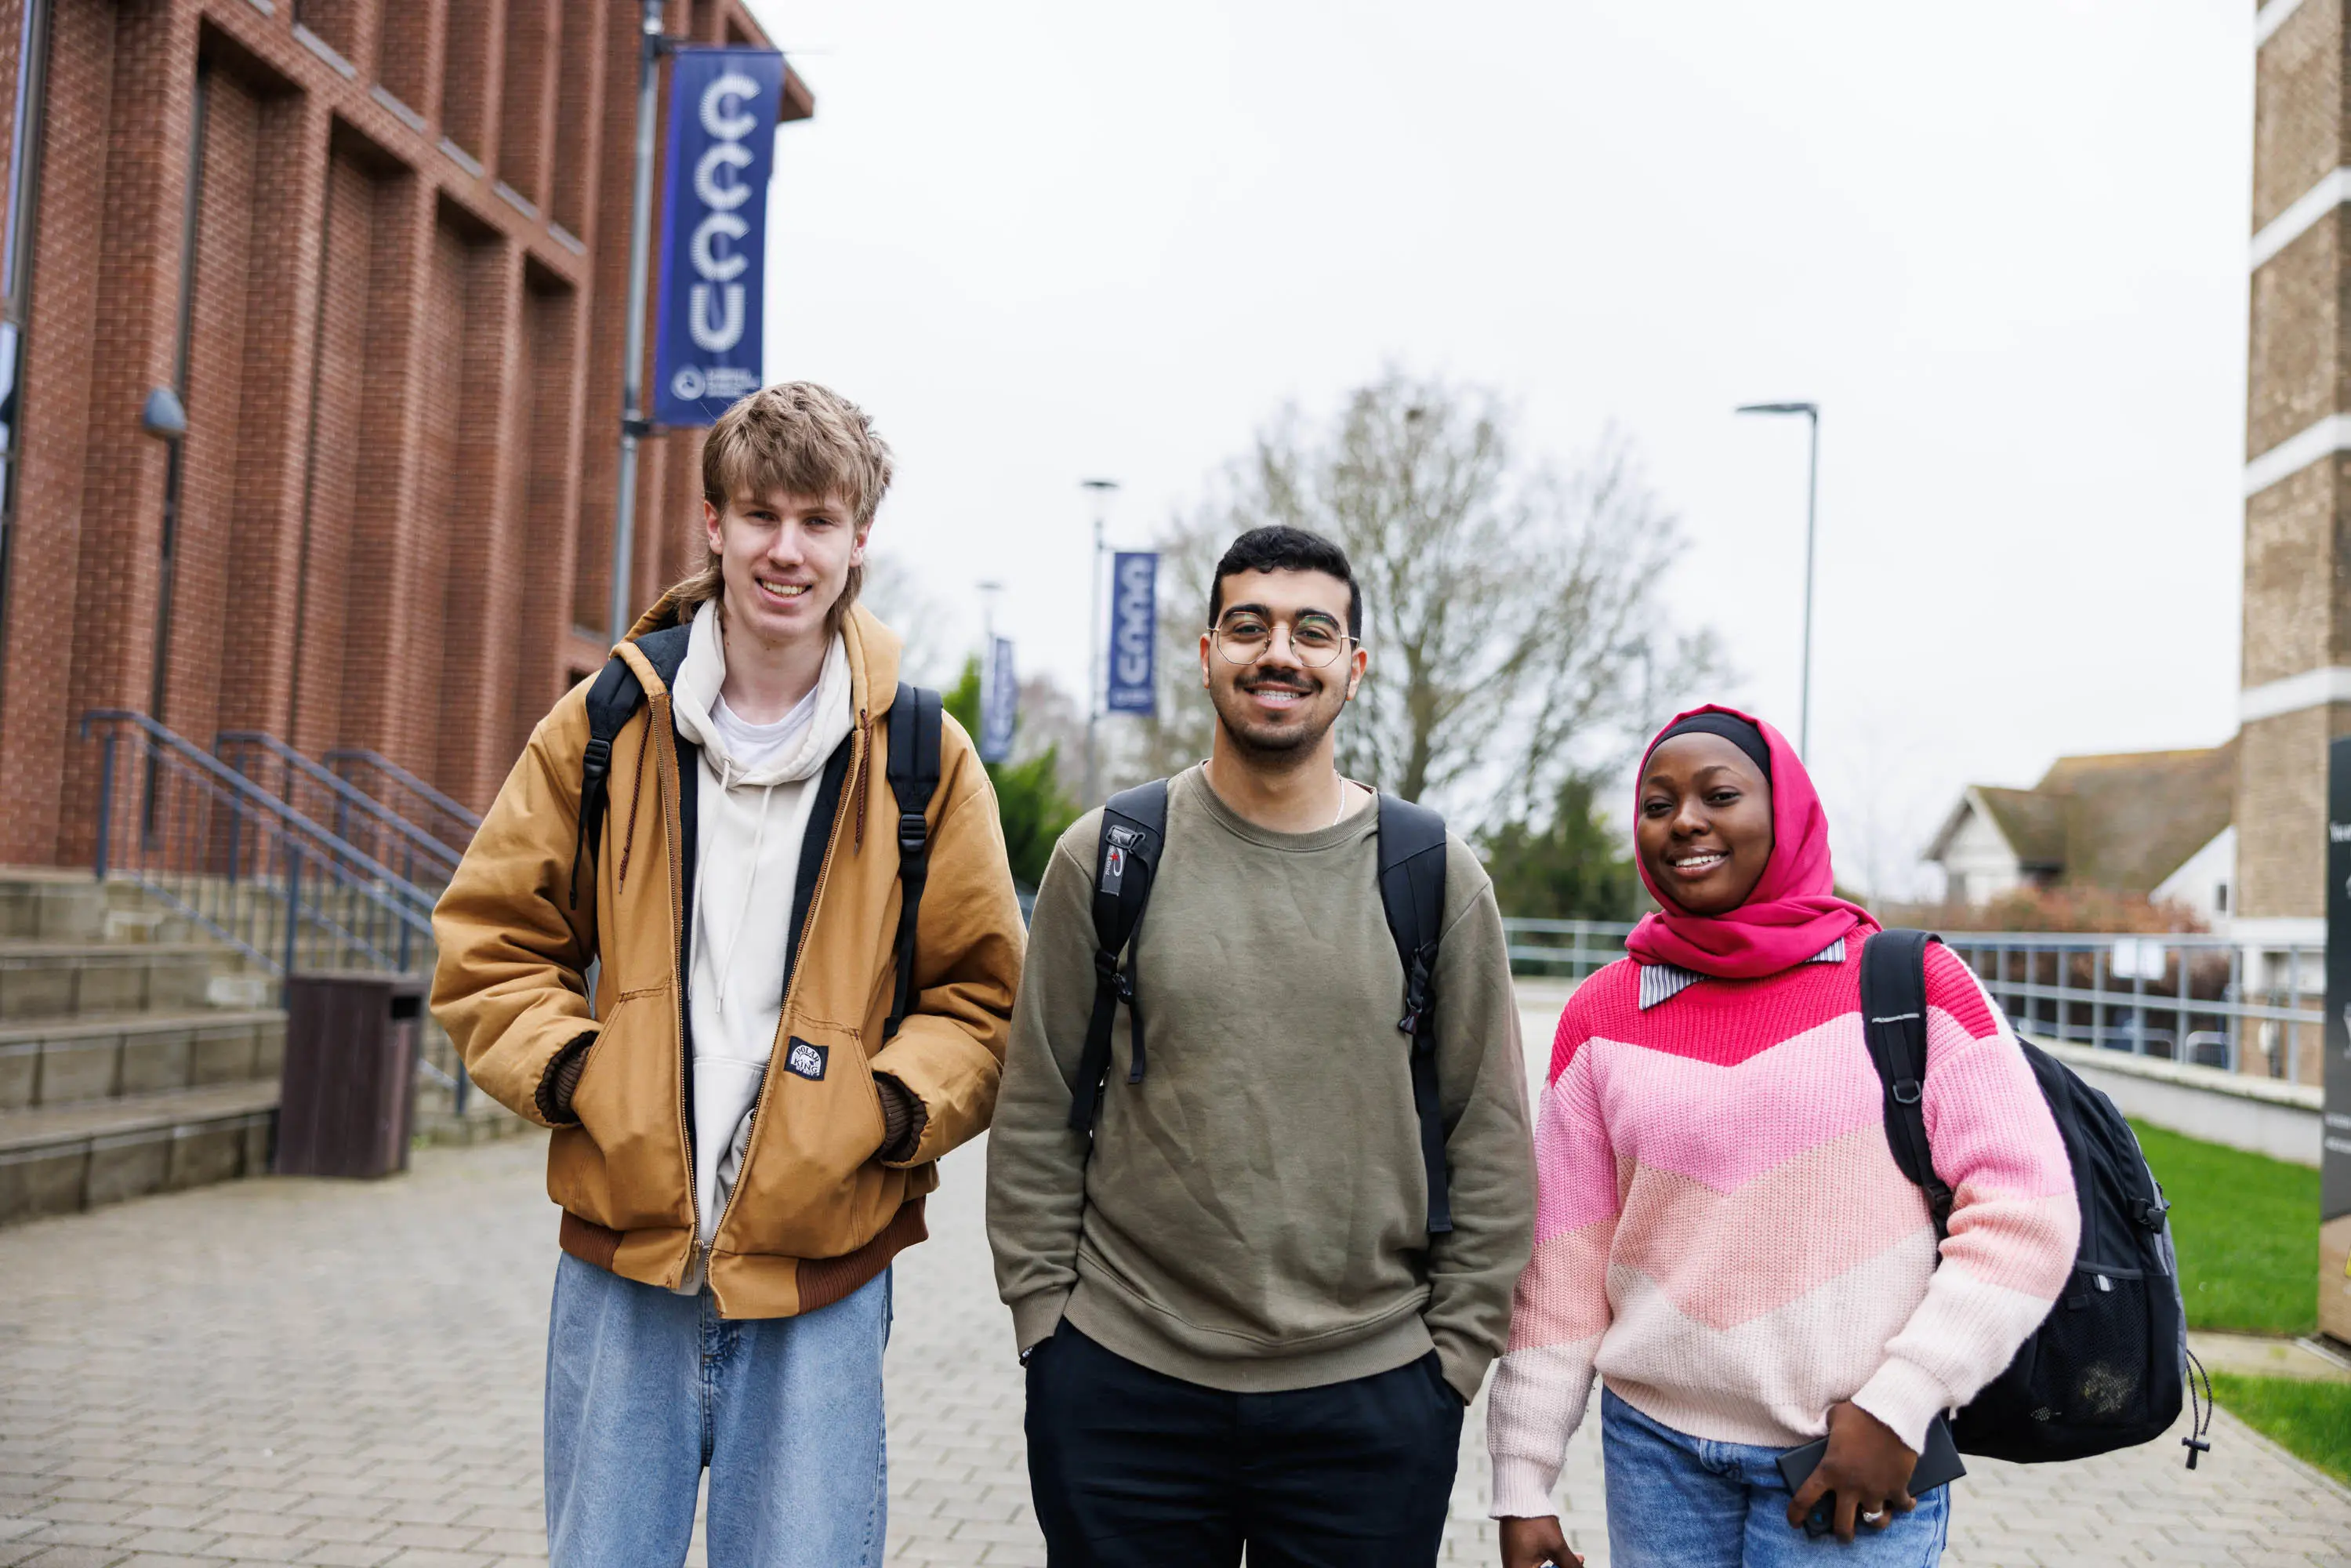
<point>2122,821</point>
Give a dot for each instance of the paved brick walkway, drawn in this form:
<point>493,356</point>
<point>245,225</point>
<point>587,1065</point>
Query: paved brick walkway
<point>295,1372</point>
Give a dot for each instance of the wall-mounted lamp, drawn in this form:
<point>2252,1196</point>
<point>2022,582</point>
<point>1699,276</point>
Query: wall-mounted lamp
<point>163,417</point>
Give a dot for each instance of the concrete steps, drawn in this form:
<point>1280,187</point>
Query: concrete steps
<point>60,1063</point>
<point>136,1055</point>
<point>59,1159</point>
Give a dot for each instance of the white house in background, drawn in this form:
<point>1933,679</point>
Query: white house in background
<point>2152,823</point>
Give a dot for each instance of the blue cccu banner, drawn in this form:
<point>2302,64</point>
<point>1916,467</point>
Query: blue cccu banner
<point>723,105</point>
<point>1134,630</point>
<point>1001,710</point>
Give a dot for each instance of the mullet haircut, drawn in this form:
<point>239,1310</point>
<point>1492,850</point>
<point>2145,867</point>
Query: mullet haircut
<point>803,440</point>
<point>1283,548</point>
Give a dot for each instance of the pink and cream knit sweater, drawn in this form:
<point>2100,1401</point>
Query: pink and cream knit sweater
<point>1722,1233</point>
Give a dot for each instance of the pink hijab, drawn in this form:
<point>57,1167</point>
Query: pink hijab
<point>1792,913</point>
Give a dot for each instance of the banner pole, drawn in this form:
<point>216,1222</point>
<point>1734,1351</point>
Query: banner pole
<point>632,370</point>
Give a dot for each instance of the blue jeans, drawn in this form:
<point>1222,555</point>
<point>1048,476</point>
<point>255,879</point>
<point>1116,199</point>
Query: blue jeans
<point>645,1387</point>
<point>1678,1501</point>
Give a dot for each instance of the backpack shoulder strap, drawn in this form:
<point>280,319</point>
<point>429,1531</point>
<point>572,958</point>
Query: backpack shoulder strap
<point>665,650</point>
<point>1894,1016</point>
<point>1127,858</point>
<point>1412,892</point>
<point>913,770</point>
<point>612,701</point>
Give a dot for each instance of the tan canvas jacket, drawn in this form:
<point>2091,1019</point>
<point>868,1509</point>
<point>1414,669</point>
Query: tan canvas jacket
<point>815,1212</point>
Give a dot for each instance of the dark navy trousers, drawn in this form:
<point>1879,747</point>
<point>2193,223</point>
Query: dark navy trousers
<point>1130,1467</point>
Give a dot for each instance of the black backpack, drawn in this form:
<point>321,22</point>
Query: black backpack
<point>912,770</point>
<point>2106,1367</point>
<point>1412,890</point>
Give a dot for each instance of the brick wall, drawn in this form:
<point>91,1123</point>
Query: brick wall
<point>2297,107</point>
<point>2297,600</point>
<point>407,242</point>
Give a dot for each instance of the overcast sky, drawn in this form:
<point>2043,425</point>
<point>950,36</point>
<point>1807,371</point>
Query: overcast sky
<point>2002,245</point>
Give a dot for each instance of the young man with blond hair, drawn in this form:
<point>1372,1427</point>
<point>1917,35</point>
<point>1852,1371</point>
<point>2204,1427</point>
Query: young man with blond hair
<point>746,1120</point>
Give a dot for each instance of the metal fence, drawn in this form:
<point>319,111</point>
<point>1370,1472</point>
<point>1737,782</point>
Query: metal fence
<point>1564,949</point>
<point>2211,1001</point>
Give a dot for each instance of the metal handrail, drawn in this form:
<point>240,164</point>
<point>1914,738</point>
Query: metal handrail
<point>344,792</point>
<point>270,882</point>
<point>364,758</point>
<point>240,787</point>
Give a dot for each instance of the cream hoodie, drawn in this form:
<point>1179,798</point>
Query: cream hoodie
<point>749,825</point>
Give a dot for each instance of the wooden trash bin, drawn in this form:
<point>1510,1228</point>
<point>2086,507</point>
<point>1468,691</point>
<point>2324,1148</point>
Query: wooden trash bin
<point>348,1089</point>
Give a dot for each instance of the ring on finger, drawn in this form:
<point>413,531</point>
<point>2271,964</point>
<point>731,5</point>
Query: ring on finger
<point>1873,1516</point>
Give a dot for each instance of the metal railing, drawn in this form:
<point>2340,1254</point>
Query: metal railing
<point>251,869</point>
<point>1563,949</point>
<point>2210,1000</point>
<point>351,814</point>
<point>407,796</point>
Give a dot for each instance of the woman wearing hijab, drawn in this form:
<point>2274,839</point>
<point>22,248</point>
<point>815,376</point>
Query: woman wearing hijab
<point>1722,1233</point>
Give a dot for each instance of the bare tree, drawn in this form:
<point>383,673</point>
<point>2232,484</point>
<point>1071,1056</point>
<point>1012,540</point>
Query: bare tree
<point>931,630</point>
<point>1513,615</point>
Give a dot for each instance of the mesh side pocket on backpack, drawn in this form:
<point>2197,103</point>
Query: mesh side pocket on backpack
<point>2095,1362</point>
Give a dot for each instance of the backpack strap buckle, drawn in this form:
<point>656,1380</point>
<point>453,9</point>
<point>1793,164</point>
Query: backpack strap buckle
<point>1107,970</point>
<point>1908,1091</point>
<point>914,833</point>
<point>1416,993</point>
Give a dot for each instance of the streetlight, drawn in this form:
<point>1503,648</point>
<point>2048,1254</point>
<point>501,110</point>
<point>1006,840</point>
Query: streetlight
<point>1101,489</point>
<point>989,591</point>
<point>1811,411</point>
<point>622,611</point>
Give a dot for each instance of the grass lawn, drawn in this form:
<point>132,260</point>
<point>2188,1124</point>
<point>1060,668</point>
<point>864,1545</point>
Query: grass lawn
<point>2312,1420</point>
<point>2247,1232</point>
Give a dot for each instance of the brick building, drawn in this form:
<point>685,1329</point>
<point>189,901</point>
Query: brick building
<point>378,249</point>
<point>2297,609</point>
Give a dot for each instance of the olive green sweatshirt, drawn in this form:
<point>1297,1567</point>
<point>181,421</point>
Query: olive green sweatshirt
<point>1253,1215</point>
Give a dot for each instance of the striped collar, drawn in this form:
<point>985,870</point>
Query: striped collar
<point>1663,982</point>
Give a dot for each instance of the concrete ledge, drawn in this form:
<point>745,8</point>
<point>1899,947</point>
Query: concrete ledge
<point>2259,1115</point>
<point>75,1157</point>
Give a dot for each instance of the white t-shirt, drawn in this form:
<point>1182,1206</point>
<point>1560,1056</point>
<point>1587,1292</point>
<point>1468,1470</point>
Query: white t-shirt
<point>754,746</point>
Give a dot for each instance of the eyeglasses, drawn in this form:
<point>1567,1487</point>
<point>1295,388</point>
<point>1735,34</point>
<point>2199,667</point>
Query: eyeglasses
<point>1244,639</point>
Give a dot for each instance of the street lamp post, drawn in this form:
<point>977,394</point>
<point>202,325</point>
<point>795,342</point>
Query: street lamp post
<point>1101,489</point>
<point>1811,411</point>
<point>623,610</point>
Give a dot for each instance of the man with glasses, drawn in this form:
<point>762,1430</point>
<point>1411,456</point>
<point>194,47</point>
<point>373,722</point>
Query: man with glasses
<point>1244,1316</point>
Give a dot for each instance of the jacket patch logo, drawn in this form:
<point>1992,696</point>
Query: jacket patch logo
<point>805,1059</point>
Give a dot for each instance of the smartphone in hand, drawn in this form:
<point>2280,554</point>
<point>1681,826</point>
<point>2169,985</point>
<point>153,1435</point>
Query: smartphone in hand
<point>1938,1465</point>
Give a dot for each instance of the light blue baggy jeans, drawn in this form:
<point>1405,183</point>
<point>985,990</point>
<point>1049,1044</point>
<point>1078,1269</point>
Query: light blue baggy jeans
<point>645,1388</point>
<point>1679,1502</point>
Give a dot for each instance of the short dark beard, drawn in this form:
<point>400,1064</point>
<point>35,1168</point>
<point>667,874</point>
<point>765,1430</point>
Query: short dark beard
<point>1284,750</point>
